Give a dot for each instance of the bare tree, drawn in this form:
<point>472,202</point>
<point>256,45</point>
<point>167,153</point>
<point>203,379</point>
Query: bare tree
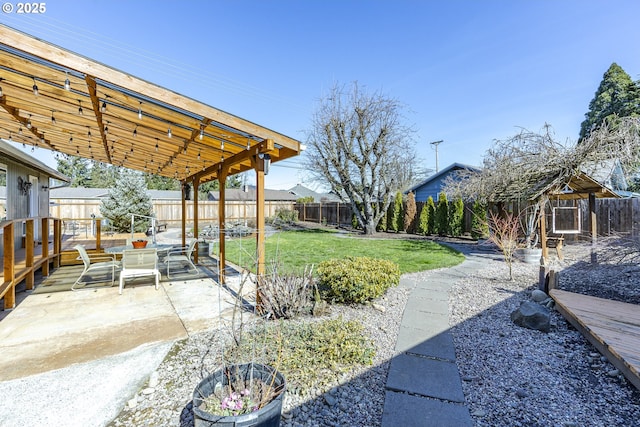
<point>360,145</point>
<point>529,164</point>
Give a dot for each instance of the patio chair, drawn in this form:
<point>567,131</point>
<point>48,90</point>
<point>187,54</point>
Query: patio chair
<point>94,263</point>
<point>137,263</point>
<point>181,256</point>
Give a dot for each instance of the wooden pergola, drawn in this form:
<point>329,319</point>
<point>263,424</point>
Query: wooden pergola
<point>58,100</point>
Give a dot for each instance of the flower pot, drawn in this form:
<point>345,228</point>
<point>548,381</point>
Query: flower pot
<point>529,255</point>
<point>139,244</point>
<point>218,382</point>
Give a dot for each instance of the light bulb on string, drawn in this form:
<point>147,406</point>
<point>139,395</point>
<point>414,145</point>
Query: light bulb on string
<point>135,131</point>
<point>80,108</point>
<point>53,119</point>
<point>35,87</point>
<point>67,83</point>
<point>140,111</point>
<point>29,122</point>
<point>201,133</point>
<point>156,145</point>
<point>104,106</point>
<point>169,132</point>
<point>106,128</point>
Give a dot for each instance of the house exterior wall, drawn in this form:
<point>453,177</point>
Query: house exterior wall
<point>16,202</point>
<point>431,188</point>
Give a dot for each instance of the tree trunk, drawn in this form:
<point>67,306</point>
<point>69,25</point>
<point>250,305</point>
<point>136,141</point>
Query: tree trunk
<point>369,228</point>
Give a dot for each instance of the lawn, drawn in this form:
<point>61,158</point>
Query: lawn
<point>296,249</point>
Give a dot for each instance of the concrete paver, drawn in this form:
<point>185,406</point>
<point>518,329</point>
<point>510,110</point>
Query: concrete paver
<point>423,384</point>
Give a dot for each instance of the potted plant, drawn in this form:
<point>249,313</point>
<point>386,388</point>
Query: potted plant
<point>528,250</point>
<point>139,244</point>
<point>239,393</point>
<point>249,394</point>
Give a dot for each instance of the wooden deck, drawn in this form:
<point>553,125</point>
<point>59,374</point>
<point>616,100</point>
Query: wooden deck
<point>612,327</point>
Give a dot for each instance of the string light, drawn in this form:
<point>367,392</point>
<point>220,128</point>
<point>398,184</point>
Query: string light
<point>135,131</point>
<point>10,140</point>
<point>140,111</point>
<point>80,108</point>
<point>20,130</point>
<point>104,106</point>
<point>1,94</point>
<point>106,127</point>
<point>169,132</point>
<point>29,122</point>
<point>198,154</point>
<point>67,83</point>
<point>156,145</point>
<point>88,132</point>
<point>222,146</point>
<point>201,132</point>
<point>53,119</point>
<point>35,87</point>
<point>248,144</point>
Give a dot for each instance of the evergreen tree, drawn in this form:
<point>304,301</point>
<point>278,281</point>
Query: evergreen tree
<point>410,213</point>
<point>456,218</point>
<point>103,175</point>
<point>423,221</point>
<point>128,196</point>
<point>431,207</point>
<point>479,221</point>
<point>396,216</point>
<point>157,182</point>
<point>382,224</point>
<point>442,215</point>
<point>617,96</point>
<point>76,168</point>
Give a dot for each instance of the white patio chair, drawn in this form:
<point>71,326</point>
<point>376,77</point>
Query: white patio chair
<point>94,263</point>
<point>137,263</point>
<point>181,256</point>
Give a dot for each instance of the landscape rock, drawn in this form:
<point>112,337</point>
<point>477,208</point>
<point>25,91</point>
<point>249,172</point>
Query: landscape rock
<point>539,296</point>
<point>533,316</point>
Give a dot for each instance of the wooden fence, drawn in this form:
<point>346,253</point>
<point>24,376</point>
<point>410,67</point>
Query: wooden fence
<point>613,215</point>
<point>170,211</point>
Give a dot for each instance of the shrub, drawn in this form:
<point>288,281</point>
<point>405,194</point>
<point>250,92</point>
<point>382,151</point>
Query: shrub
<point>356,279</point>
<point>423,221</point>
<point>431,206</point>
<point>396,220</point>
<point>456,218</point>
<point>285,296</point>
<point>479,222</point>
<point>285,216</point>
<point>442,215</point>
<point>307,199</point>
<point>410,214</point>
<point>382,224</point>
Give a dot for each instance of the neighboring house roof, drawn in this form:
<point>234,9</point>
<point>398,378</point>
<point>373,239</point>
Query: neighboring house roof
<point>165,194</point>
<point>19,156</point>
<point>238,194</point>
<point>78,193</point>
<point>301,191</point>
<point>608,173</point>
<point>439,176</point>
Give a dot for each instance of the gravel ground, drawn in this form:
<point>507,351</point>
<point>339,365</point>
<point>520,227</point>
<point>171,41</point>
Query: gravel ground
<point>511,376</point>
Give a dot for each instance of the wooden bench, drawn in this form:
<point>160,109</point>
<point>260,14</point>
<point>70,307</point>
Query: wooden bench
<point>160,226</point>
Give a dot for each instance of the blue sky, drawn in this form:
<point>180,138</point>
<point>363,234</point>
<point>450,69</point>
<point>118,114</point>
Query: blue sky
<point>468,72</point>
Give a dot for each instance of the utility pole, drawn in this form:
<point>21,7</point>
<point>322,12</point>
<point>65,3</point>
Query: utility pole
<point>436,143</point>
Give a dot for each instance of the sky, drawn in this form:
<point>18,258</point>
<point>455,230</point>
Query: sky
<point>466,72</point>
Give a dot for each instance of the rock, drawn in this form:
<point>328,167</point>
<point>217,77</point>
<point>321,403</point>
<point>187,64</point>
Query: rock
<point>133,402</point>
<point>613,373</point>
<point>330,400</point>
<point>538,296</point>
<point>381,308</point>
<point>533,316</point>
<point>149,390</point>
<point>153,379</point>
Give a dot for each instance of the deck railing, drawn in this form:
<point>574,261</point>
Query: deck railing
<point>23,253</point>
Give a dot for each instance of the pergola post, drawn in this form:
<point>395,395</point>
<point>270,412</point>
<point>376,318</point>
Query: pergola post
<point>222,180</point>
<point>196,216</point>
<point>184,214</point>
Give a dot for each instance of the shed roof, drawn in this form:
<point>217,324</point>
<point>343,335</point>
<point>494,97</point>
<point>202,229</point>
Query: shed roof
<point>56,99</point>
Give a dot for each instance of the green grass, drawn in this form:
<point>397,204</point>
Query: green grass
<point>296,249</point>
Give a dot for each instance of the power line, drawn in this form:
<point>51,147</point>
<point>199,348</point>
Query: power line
<point>436,143</point>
